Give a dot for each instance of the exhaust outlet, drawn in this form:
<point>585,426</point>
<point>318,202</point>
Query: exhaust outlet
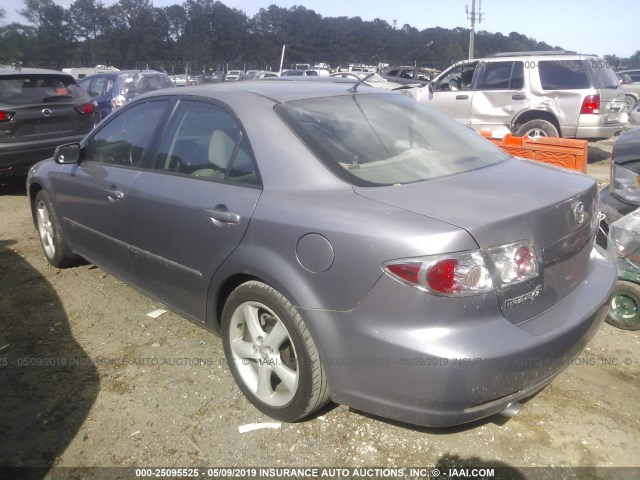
<point>511,410</point>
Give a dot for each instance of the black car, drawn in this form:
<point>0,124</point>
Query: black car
<point>623,194</point>
<point>39,110</point>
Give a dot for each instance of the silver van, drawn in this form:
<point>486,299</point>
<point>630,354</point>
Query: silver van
<point>555,94</point>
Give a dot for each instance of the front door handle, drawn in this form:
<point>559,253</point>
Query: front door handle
<point>114,195</point>
<point>518,96</point>
<point>462,97</point>
<point>220,215</point>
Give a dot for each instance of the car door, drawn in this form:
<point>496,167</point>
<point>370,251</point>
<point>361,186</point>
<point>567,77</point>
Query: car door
<point>92,195</point>
<point>452,92</point>
<point>190,209</point>
<point>499,95</point>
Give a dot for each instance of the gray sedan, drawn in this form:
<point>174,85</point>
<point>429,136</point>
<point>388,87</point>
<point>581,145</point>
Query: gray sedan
<point>347,243</point>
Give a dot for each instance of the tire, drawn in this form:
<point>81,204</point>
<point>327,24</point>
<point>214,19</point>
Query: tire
<point>53,243</point>
<point>537,128</point>
<point>271,354</point>
<point>624,309</point>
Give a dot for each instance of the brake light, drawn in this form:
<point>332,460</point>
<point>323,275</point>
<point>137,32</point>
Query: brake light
<point>86,109</point>
<point>591,105</point>
<point>6,116</point>
<point>468,273</point>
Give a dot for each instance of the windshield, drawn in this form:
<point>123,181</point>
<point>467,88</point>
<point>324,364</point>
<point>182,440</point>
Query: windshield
<point>386,139</point>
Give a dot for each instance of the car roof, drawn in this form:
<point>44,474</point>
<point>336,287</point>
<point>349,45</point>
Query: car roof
<point>279,91</point>
<point>32,71</point>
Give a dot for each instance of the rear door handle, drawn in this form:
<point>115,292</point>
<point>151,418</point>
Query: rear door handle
<point>518,96</point>
<point>222,216</point>
<point>462,97</point>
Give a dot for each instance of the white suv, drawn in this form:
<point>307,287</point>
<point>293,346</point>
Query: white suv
<point>555,94</point>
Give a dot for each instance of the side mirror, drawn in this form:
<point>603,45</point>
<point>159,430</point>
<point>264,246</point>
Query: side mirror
<point>67,154</point>
<point>431,86</point>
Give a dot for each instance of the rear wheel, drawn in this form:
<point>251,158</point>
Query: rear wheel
<point>624,309</point>
<point>55,248</point>
<point>271,354</point>
<point>537,128</point>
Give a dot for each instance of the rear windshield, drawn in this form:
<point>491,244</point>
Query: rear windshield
<point>386,139</point>
<point>28,89</point>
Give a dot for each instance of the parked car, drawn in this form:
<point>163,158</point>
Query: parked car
<point>266,74</point>
<point>622,195</point>
<point>409,269</point>
<point>409,75</point>
<point>553,94</point>
<point>39,110</point>
<point>299,73</point>
<point>633,74</point>
<point>372,79</point>
<point>112,90</point>
<point>252,74</point>
<point>184,80</point>
<point>234,75</point>
<point>631,89</point>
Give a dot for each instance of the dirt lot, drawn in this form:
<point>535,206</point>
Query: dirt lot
<point>146,392</point>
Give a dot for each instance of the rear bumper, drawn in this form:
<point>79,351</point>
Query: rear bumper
<point>402,356</point>
<point>16,158</point>
<point>594,127</point>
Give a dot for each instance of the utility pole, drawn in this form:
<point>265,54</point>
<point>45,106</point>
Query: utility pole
<point>473,15</point>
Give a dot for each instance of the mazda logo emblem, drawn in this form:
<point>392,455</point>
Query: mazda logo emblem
<point>46,112</point>
<point>578,213</point>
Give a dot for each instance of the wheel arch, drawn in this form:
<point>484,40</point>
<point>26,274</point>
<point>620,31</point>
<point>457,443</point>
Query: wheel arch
<point>528,115</point>
<point>254,262</point>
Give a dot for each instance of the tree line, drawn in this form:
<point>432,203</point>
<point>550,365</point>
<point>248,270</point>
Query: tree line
<point>206,35</point>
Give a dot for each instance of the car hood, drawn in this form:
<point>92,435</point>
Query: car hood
<point>511,201</point>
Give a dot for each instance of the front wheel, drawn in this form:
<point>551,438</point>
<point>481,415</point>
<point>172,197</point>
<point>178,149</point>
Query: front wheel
<point>631,102</point>
<point>624,309</point>
<point>54,245</point>
<point>271,354</point>
<point>537,128</point>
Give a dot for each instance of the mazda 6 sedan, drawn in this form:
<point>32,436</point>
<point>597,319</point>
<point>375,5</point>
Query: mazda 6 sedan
<point>345,242</point>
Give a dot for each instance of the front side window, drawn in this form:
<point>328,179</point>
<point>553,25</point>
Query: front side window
<point>459,78</point>
<point>352,136</point>
<point>206,142</point>
<point>127,137</point>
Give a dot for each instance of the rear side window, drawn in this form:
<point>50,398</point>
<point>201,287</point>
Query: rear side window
<point>502,76</point>
<point>563,75</point>
<point>206,142</point>
<point>603,75</point>
<point>24,89</point>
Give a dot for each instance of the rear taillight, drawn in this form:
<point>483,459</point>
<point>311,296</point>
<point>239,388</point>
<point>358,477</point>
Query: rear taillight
<point>86,109</point>
<point>591,104</point>
<point>6,116</point>
<point>468,273</point>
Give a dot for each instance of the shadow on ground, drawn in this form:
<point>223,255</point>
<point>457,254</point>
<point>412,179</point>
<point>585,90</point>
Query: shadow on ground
<point>597,154</point>
<point>47,382</point>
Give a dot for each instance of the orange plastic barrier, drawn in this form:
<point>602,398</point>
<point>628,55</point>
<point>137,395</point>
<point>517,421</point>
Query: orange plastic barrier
<point>562,152</point>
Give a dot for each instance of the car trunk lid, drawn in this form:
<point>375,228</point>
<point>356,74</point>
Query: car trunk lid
<point>556,211</point>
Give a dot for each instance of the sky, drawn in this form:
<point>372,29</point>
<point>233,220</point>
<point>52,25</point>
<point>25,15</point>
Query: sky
<point>585,26</point>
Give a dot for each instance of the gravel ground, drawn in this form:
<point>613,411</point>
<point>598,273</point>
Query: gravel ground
<point>143,392</point>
